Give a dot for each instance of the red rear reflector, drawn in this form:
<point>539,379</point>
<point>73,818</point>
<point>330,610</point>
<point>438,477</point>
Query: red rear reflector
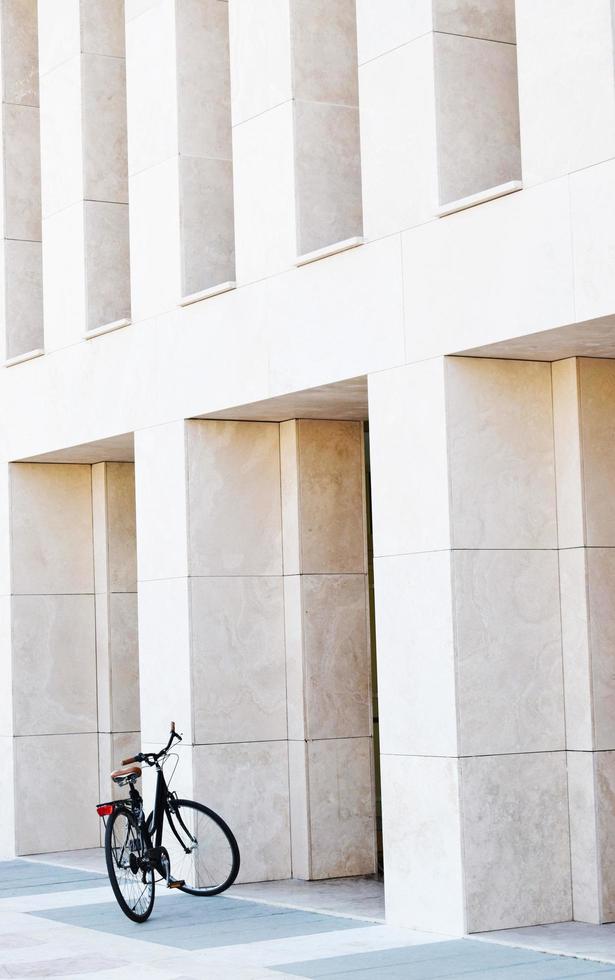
<point>105,809</point>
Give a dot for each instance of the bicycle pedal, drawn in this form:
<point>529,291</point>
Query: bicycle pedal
<point>176,883</point>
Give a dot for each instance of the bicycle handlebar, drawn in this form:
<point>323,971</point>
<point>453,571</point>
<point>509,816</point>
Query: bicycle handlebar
<point>150,758</point>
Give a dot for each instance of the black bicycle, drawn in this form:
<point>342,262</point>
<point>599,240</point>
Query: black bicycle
<point>193,840</point>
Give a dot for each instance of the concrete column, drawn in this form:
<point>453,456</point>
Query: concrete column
<point>84,169</point>
<point>474,790</point>
<point>179,151</point>
<point>295,130</point>
<point>327,649</point>
<point>53,657</point>
<point>584,404</point>
<point>115,583</point>
<point>7,731</point>
<point>439,106</point>
<point>211,623</point>
<point>21,275</point>
<point>566,54</point>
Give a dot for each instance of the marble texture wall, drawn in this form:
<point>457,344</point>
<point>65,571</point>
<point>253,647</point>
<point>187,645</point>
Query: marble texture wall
<point>20,263</point>
<point>438,104</point>
<point>86,275</point>
<point>584,407</point>
<point>469,645</point>
<point>297,180</point>
<point>327,649</point>
<point>179,151</point>
<point>115,586</point>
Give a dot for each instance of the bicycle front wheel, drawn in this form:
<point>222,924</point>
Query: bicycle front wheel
<point>132,886</point>
<point>202,848</point>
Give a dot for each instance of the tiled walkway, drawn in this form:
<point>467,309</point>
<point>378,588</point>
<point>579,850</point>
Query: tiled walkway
<point>61,921</point>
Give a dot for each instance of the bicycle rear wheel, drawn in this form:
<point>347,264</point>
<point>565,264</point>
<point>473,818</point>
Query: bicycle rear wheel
<point>132,886</point>
<point>202,848</point>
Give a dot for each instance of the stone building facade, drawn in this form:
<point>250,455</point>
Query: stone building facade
<point>308,408</point>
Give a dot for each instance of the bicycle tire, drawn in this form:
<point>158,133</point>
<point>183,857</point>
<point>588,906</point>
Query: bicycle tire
<point>127,880</point>
<point>211,831</point>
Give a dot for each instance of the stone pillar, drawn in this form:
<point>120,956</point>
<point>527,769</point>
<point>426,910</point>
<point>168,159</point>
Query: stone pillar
<point>115,582</point>
<point>52,622</point>
<point>327,649</point>
<point>211,623</point>
<point>474,790</point>
<point>84,169</point>
<point>7,740</point>
<point>21,276</point>
<point>439,107</point>
<point>295,130</point>
<point>584,405</point>
<point>179,152</point>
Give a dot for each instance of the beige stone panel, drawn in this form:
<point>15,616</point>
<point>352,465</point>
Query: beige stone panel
<point>299,809</point>
<point>121,531</point>
<point>102,27</point>
<point>236,533</point>
<point>415,655</point>
<point>341,807</point>
<point>6,669</point>
<point>61,137</point>
<point>54,664</point>
<point>566,94</point>
<point>51,509</point>
<point>103,663</point>
<point>568,467</point>
<point>605,777</point>
<point>328,174</point>
<point>161,502</point>
<point>264,192</point>
<point>100,527</point>
<point>261,74</point>
<point>59,35</point>
<point>584,846</point>
<point>408,457</point>
<point>239,682</point>
<point>422,844</point>
<point>20,56</point>
<point>165,674</point>
<point>23,296</point>
<point>111,750</point>
<point>22,172</point>
<point>7,799</point>
<point>105,161</point>
<point>64,300</point>
<point>508,642</point>
<point>601,583</point>
<point>155,250</point>
<point>386,24</point>
<point>151,89</point>
<point>500,440</point>
<point>466,282</point>
<point>124,661</point>
<point>398,139</point>
<point>331,496</point>
<point>597,398</point>
<point>107,263</point>
<point>477,121</point>
<point>5,529</point>
<point>247,784</point>
<point>336,656</point>
<point>516,840</point>
<point>45,770</point>
<point>575,649</point>
<point>203,79</point>
<point>289,464</point>
<point>206,202</point>
<point>294,643</point>
<point>324,37</point>
<point>592,214</point>
<point>490,19</point>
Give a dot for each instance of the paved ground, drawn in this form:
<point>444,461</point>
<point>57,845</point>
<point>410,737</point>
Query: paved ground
<point>61,921</point>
